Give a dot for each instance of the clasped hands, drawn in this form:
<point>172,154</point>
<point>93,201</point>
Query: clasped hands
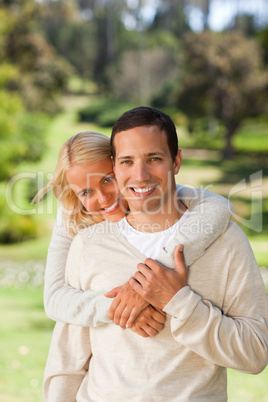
<point>138,303</point>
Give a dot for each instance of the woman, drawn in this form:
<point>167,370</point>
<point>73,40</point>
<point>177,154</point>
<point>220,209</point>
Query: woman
<point>85,185</point>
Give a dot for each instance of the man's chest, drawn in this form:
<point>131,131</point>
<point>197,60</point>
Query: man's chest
<point>103,267</point>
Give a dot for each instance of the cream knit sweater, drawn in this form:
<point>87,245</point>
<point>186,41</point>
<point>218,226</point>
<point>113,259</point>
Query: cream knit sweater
<point>219,320</point>
<point>209,216</point>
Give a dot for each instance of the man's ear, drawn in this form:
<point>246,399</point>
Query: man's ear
<point>177,162</point>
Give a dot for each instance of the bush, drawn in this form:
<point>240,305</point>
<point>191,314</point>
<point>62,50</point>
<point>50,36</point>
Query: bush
<point>108,117</point>
<point>103,112</point>
<point>22,134</point>
<point>91,112</point>
<point>14,228</point>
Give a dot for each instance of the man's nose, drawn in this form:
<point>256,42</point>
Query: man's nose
<point>141,171</point>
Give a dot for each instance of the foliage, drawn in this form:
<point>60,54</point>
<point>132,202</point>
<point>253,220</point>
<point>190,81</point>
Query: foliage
<point>40,74</point>
<point>103,112</point>
<point>71,36</point>
<point>262,37</point>
<point>14,229</point>
<point>221,81</point>
<point>21,134</point>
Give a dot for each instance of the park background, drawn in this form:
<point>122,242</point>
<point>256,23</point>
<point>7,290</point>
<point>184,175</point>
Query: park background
<point>76,65</point>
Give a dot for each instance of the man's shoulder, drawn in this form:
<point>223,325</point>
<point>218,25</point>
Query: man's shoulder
<point>234,236</point>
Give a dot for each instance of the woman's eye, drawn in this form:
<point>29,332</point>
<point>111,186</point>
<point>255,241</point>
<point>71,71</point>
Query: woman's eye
<point>86,192</point>
<point>109,179</point>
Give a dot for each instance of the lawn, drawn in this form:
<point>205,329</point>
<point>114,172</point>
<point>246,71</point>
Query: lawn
<point>25,335</point>
<point>24,341</point>
<point>25,331</point>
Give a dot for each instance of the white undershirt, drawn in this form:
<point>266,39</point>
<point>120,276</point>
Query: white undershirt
<point>149,243</point>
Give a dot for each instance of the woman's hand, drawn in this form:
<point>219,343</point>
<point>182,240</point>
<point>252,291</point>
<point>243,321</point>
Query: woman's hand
<point>126,306</point>
<point>149,322</point>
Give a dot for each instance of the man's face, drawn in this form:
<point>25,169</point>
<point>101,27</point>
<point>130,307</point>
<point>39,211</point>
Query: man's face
<point>144,169</point>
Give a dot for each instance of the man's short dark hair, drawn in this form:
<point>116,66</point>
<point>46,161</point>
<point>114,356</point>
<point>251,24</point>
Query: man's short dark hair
<point>147,116</point>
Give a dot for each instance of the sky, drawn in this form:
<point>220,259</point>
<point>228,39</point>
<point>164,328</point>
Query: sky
<point>221,12</point>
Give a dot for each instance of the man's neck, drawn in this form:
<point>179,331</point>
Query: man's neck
<point>145,222</point>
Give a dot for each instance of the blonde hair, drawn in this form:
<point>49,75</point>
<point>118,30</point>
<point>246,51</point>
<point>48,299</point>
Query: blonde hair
<point>82,148</point>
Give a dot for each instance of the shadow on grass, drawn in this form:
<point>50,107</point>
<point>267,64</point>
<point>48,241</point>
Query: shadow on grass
<point>41,325</point>
<point>248,216</point>
<point>232,171</point>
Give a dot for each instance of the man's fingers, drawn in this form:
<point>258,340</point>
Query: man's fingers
<point>136,286</point>
<point>179,259</point>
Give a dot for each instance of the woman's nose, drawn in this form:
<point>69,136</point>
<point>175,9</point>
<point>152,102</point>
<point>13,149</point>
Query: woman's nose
<point>103,196</point>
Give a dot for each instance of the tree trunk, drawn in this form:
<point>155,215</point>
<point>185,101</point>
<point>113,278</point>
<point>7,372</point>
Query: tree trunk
<point>228,151</point>
<point>206,10</point>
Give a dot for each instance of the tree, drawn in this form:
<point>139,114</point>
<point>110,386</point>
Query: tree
<point>223,78</point>
<point>42,74</point>
<point>170,16</point>
<point>139,72</point>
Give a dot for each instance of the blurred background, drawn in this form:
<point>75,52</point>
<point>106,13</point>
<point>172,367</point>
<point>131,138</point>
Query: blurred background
<point>74,65</point>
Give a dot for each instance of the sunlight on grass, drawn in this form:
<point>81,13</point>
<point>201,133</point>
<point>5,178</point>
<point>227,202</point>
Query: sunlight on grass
<point>24,342</point>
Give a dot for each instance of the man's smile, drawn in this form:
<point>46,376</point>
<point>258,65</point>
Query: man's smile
<point>143,191</point>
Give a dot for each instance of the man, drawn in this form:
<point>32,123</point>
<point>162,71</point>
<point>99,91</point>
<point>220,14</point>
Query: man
<point>216,312</point>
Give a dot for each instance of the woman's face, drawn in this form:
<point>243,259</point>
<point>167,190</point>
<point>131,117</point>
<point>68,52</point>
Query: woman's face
<point>95,186</point>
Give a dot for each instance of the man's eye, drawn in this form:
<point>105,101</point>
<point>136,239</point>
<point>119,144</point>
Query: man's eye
<point>155,159</point>
<point>126,162</point>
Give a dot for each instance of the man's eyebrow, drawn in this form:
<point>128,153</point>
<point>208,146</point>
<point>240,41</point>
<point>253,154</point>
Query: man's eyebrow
<point>125,157</point>
<point>149,154</point>
<point>155,153</point>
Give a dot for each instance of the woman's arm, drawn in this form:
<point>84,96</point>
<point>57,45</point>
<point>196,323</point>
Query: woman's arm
<point>62,302</point>
<point>66,304</point>
<point>209,217</point>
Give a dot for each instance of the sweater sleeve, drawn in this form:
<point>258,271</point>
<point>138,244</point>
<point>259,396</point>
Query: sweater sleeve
<point>235,334</point>
<point>209,216</point>
<point>70,348</point>
<point>62,302</point>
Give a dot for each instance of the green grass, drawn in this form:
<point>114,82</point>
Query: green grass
<point>25,331</point>
<point>24,340</point>
<point>251,137</point>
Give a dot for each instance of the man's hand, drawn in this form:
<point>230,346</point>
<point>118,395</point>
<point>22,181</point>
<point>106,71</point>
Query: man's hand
<point>149,322</point>
<point>157,284</point>
<point>126,306</point>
